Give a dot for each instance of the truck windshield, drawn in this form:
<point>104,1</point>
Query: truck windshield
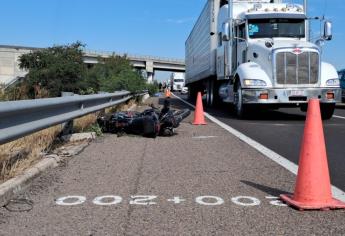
<point>269,28</point>
<point>178,80</point>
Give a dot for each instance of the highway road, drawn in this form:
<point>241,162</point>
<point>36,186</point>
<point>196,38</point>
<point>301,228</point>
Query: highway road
<point>282,130</point>
<point>201,181</point>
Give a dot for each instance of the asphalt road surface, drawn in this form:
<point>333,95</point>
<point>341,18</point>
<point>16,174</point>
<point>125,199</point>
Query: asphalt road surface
<point>282,131</point>
<point>202,181</point>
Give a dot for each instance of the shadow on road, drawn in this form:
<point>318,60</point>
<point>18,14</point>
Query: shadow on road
<point>225,110</point>
<point>340,106</point>
<point>265,189</point>
<point>264,115</point>
<point>174,103</point>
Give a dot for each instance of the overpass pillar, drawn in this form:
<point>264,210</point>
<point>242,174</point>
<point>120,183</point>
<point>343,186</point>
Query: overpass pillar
<point>150,77</point>
<point>149,71</point>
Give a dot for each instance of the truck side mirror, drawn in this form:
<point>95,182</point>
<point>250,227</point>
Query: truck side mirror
<point>327,30</point>
<point>226,32</point>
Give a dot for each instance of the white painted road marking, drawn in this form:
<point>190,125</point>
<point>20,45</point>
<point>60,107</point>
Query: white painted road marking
<point>176,200</point>
<point>242,201</point>
<point>143,200</point>
<point>100,200</point>
<point>340,117</point>
<point>147,200</point>
<point>66,201</point>
<point>282,161</point>
<point>276,201</point>
<point>211,200</point>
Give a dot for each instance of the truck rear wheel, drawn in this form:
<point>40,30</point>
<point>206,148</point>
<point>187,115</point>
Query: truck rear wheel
<point>209,92</point>
<point>327,110</point>
<point>212,97</point>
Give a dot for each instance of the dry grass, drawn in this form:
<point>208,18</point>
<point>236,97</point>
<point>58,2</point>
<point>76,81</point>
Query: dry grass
<point>84,122</point>
<point>121,107</point>
<point>22,153</point>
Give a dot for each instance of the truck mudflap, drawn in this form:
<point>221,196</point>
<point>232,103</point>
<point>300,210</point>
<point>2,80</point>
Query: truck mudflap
<point>290,96</point>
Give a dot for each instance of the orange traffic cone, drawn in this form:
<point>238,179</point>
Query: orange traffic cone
<point>167,93</point>
<point>313,187</point>
<point>199,118</point>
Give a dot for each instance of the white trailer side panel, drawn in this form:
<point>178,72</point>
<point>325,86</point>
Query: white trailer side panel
<point>201,45</point>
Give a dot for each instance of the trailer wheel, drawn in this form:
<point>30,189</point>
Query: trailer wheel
<point>209,93</point>
<point>241,110</point>
<point>212,97</point>
<point>327,110</point>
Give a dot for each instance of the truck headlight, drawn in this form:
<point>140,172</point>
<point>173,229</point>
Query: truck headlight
<point>333,82</point>
<point>254,82</point>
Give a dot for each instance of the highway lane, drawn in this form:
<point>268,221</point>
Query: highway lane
<point>282,130</point>
<point>201,181</point>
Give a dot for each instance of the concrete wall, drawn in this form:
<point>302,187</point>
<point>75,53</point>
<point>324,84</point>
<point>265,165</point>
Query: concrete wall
<point>9,64</point>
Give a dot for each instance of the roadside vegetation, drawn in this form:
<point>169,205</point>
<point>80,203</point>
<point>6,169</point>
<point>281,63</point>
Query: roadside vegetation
<point>61,68</point>
<point>22,153</point>
<point>51,71</point>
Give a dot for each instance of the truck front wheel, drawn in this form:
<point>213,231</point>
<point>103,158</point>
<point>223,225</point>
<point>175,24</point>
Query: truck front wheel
<point>240,108</point>
<point>327,110</point>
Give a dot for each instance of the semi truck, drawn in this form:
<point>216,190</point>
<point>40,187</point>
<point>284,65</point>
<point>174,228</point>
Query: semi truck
<point>259,53</point>
<point>177,80</point>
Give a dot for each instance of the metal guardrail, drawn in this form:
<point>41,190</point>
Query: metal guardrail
<point>20,118</point>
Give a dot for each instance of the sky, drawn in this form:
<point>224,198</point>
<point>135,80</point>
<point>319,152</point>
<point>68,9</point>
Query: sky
<point>142,27</point>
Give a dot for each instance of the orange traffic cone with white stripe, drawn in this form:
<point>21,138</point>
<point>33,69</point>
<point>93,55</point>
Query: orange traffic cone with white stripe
<point>199,118</point>
<point>313,185</point>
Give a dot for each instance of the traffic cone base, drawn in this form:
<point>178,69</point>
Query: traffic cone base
<point>199,118</point>
<point>330,204</point>
<point>313,185</point>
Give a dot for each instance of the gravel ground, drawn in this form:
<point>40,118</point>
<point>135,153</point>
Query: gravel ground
<point>203,165</point>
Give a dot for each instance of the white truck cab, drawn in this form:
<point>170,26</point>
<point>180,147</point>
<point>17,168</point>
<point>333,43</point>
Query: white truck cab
<point>261,55</point>
<point>177,81</point>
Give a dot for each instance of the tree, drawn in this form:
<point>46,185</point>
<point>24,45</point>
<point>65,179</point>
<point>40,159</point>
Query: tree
<point>54,69</point>
<point>113,74</point>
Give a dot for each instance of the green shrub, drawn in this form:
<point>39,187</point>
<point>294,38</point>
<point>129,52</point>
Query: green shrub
<point>54,69</point>
<point>114,74</point>
<point>152,88</point>
<point>95,128</point>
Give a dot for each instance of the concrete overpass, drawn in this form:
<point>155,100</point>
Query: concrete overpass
<point>148,63</point>
<point>10,71</point>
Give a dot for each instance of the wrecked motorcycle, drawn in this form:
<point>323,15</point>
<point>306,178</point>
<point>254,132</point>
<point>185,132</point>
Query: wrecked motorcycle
<point>149,123</point>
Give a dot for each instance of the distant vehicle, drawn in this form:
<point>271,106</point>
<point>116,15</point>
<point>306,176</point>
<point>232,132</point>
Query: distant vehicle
<point>259,53</point>
<point>341,74</point>
<point>177,81</point>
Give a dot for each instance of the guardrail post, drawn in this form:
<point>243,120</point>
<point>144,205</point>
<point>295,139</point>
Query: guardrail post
<point>67,127</point>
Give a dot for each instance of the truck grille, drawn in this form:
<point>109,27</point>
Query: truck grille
<point>298,69</point>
